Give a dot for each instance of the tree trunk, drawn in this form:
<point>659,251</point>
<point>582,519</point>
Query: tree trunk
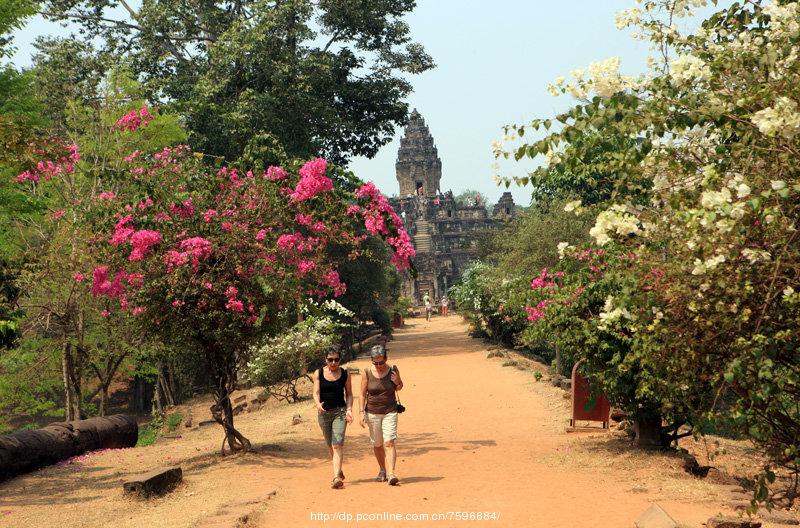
<point>65,373</point>
<point>72,389</point>
<point>648,431</point>
<point>28,450</point>
<point>103,397</point>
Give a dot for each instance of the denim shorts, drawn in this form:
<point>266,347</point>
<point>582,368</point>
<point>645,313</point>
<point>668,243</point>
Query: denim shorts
<point>333,425</point>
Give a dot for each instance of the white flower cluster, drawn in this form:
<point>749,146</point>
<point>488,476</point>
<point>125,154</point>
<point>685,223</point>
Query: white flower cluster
<point>615,220</point>
<point>702,266</point>
<point>783,19</point>
<point>575,206</point>
<point>552,158</point>
<point>337,308</point>
<point>612,314</point>
<point>756,255</point>
<point>715,199</point>
<point>602,78</point>
<point>629,17</point>
<point>562,248</point>
<point>686,69</point>
<point>782,119</point>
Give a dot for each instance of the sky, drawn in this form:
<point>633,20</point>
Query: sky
<point>495,59</point>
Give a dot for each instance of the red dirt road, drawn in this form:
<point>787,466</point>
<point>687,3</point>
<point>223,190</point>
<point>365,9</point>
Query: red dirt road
<point>477,438</point>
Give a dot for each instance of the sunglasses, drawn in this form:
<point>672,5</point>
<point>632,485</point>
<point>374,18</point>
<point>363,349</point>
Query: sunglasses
<point>333,360</point>
<point>379,363</point>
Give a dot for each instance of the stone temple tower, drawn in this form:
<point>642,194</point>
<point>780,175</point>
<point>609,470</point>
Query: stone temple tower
<point>418,165</point>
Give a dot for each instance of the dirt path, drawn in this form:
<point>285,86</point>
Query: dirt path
<point>477,437</point>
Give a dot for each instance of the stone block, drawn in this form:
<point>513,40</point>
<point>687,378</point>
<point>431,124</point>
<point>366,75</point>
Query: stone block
<point>732,522</point>
<point>241,398</point>
<point>655,517</point>
<point>783,518</point>
<point>239,408</point>
<point>556,380</point>
<point>157,482</point>
<point>206,422</point>
<point>566,384</point>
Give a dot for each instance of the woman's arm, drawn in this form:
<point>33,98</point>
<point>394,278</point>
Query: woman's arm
<point>320,408</point>
<point>348,392</point>
<point>396,379</point>
<point>363,402</point>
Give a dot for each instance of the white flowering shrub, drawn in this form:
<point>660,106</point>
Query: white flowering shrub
<point>281,361</point>
<point>694,168</point>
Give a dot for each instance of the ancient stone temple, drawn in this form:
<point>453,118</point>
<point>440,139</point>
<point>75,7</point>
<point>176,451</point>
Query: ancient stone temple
<point>444,232</point>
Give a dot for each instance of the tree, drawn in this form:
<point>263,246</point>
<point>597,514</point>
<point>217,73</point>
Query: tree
<point>308,78</point>
<point>211,259</point>
<point>470,197</point>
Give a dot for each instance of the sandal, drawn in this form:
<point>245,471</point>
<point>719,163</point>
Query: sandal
<point>381,476</point>
<point>341,474</point>
<point>337,483</point>
<point>393,480</point>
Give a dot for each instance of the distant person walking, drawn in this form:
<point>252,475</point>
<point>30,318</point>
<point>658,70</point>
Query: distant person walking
<point>426,300</point>
<point>333,394</point>
<point>445,305</point>
<point>378,393</point>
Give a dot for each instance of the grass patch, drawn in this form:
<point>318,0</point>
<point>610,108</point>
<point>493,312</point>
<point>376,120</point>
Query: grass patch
<point>510,363</point>
<point>173,421</point>
<point>537,375</point>
<point>148,434</point>
<point>494,354</point>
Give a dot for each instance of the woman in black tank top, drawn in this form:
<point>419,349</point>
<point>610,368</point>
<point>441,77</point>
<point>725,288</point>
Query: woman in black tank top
<point>333,395</point>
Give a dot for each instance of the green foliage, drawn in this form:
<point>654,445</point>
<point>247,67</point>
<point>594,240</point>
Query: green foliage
<point>173,421</point>
<point>296,78</point>
<point>12,17</point>
<point>30,380</point>
<point>285,358</point>
<point>150,432</point>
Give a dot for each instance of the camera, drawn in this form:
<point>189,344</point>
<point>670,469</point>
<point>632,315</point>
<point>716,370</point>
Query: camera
<point>400,408</point>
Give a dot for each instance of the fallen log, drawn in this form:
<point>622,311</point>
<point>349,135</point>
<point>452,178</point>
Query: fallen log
<point>28,450</point>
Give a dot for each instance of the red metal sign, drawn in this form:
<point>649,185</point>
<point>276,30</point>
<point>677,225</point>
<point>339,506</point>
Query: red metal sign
<point>585,404</point>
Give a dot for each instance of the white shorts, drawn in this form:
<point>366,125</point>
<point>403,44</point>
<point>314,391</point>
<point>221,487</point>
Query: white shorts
<point>382,428</point>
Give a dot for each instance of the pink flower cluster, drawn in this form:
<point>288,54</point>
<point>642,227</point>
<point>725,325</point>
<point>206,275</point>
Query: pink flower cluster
<point>142,241</point>
<point>184,210</point>
<point>102,285</point>
<point>375,213</point>
<point>306,266</point>
<point>122,231</point>
<point>233,304</point>
<point>275,173</point>
<point>312,180</point>
<point>332,280</point>
<point>545,280</point>
<point>45,170</point>
<point>135,119</point>
<point>193,249</point>
<point>297,242</point>
<point>534,314</point>
<point>106,196</point>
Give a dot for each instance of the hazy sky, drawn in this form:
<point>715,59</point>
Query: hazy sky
<point>494,60</point>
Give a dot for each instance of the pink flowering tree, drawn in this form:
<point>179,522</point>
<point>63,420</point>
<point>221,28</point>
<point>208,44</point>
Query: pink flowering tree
<point>64,179</point>
<point>213,259</point>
